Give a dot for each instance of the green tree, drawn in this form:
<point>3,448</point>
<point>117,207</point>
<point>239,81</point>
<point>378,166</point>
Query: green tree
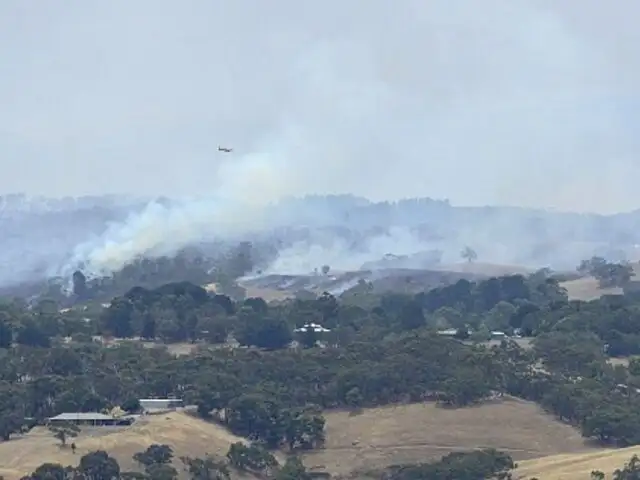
<point>264,332</point>
<point>99,465</point>
<point>208,468</point>
<point>49,471</point>
<point>630,471</point>
<point>161,471</point>
<point>293,469</point>
<point>154,454</point>
<point>252,458</point>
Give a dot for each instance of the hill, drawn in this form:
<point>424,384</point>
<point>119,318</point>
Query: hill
<point>422,432</point>
<point>374,438</point>
<point>185,434</point>
<point>575,466</point>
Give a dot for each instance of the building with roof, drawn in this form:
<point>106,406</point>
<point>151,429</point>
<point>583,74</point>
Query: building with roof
<point>312,326</point>
<point>160,404</point>
<point>89,418</point>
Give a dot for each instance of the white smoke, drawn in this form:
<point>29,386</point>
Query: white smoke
<point>246,189</point>
<point>498,101</point>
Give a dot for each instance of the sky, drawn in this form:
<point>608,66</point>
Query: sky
<point>530,103</point>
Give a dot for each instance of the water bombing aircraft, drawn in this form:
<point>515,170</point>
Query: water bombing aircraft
<point>224,149</point>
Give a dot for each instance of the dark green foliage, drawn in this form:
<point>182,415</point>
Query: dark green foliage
<point>99,466</point>
<point>608,274</point>
<point>379,351</point>
<point>459,466</point>
<point>630,471</point>
<point>208,468</point>
<point>252,458</point>
<point>154,454</point>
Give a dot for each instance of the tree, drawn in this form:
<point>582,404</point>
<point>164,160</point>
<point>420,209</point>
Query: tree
<point>63,431</point>
<point>79,284</point>
<point>49,471</point>
<point>252,458</point>
<point>469,254</point>
<point>6,335</point>
<point>271,333</point>
<point>208,468</point>
<point>608,274</point>
<point>99,465</point>
<point>325,269</point>
<point>303,429</point>
<point>161,471</point>
<point>411,316</point>
<point>293,469</point>
<point>630,471</point>
<point>131,405</point>
<point>154,454</point>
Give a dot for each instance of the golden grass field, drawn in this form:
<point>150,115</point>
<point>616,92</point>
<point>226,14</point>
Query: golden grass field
<point>575,466</point>
<point>587,288</point>
<point>373,438</point>
<point>185,434</point>
<point>422,432</point>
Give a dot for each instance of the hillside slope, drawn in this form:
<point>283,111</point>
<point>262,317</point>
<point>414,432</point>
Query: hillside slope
<point>575,466</point>
<point>383,436</point>
<point>185,434</point>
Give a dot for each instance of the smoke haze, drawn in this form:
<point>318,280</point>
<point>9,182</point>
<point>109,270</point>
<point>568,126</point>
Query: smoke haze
<point>525,103</point>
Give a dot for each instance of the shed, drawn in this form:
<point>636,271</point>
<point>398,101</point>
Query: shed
<point>88,418</point>
<point>150,404</point>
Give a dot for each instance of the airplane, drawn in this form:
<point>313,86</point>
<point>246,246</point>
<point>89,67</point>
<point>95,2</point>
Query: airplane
<point>223,149</point>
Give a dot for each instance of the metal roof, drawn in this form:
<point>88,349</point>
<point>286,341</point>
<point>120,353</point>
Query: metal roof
<point>160,400</point>
<point>82,416</point>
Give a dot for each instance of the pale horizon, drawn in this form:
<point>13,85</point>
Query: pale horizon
<point>495,103</point>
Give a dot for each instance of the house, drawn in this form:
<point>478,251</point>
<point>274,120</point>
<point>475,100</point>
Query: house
<point>312,326</point>
<point>89,418</point>
<point>450,332</point>
<point>160,404</point>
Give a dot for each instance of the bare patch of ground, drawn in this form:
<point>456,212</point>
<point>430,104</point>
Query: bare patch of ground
<point>421,432</point>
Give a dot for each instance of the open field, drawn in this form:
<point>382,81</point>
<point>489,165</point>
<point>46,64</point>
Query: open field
<point>421,432</point>
<point>371,439</point>
<point>575,466</point>
<point>587,288</point>
<point>185,434</point>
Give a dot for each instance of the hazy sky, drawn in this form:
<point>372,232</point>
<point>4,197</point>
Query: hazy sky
<point>493,101</point>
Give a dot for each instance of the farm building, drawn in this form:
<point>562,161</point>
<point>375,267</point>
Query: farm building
<point>151,404</point>
<point>89,418</point>
<point>312,326</point>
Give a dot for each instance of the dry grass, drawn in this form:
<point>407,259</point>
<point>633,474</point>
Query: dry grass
<point>587,288</point>
<point>188,436</point>
<point>422,432</point>
<point>575,466</point>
